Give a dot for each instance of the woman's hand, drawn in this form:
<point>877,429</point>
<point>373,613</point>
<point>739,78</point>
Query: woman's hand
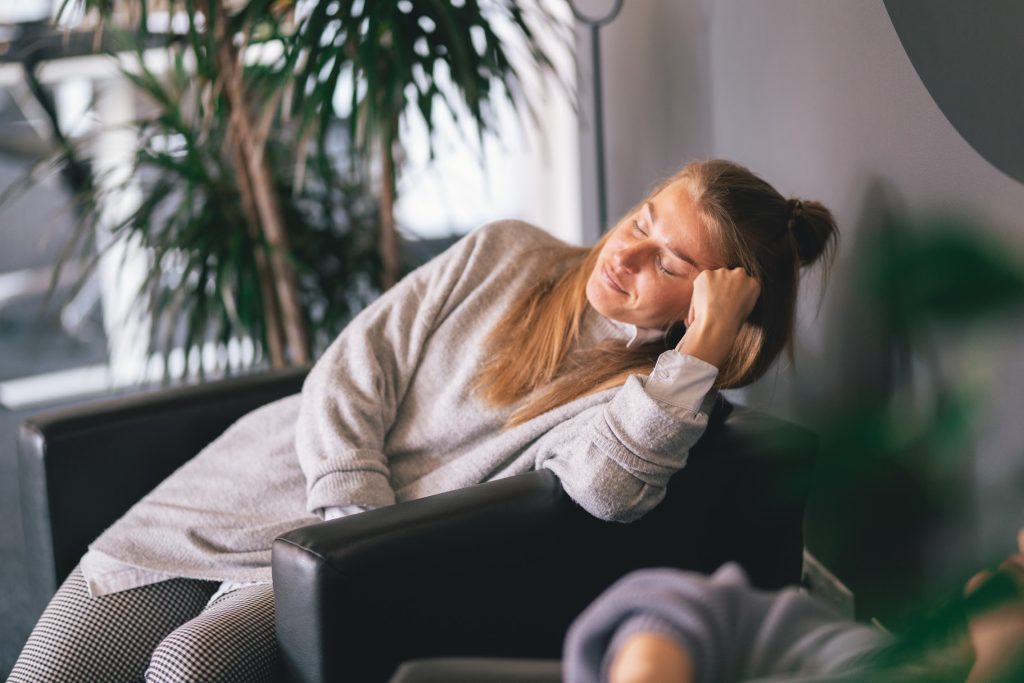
<point>722,301</point>
<point>997,635</point>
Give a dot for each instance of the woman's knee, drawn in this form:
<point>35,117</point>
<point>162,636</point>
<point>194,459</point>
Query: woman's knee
<point>233,640</point>
<point>80,637</point>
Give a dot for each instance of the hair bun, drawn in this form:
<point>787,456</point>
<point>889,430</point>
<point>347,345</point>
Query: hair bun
<point>813,229</point>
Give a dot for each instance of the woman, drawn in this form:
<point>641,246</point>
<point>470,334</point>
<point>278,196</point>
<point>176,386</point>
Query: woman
<point>509,352</point>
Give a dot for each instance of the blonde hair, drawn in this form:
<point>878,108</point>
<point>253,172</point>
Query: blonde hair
<point>748,224</point>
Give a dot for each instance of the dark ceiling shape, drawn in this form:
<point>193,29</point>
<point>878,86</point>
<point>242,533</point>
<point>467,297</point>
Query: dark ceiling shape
<point>970,56</point>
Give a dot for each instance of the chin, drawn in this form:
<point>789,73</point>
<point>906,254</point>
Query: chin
<point>609,311</point>
<point>596,297</point>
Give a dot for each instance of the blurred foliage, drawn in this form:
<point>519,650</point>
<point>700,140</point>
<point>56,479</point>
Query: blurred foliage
<point>388,58</point>
<point>894,466</point>
<point>933,647</point>
<point>429,55</point>
<point>941,272</point>
<point>263,213</point>
<point>203,281</point>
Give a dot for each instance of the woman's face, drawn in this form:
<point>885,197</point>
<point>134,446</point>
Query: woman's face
<point>645,270</point>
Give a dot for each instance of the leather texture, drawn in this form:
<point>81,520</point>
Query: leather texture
<point>495,570</point>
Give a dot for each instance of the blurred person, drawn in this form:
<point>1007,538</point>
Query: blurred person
<point>671,626</point>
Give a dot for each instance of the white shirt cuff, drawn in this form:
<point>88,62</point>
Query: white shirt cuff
<point>683,383</point>
<point>336,511</point>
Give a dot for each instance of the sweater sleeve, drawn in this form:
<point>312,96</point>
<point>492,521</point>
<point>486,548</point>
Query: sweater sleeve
<point>730,630</point>
<point>351,396</point>
<point>615,459</point>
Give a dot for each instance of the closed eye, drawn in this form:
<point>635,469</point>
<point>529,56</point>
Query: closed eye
<point>658,261</point>
<point>661,266</point>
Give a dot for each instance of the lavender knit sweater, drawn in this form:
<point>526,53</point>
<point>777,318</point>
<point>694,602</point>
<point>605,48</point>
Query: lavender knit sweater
<point>732,632</point>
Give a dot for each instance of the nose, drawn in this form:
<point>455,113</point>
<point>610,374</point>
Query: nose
<point>628,257</point>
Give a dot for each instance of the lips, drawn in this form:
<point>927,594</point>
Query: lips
<point>611,281</point>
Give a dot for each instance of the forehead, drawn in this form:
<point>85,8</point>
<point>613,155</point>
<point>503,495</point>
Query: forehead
<point>679,224</point>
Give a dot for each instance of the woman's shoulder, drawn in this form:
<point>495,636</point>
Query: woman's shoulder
<point>515,235</point>
<point>498,251</point>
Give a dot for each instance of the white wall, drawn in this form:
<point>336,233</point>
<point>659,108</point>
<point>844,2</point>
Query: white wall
<point>821,100</point>
<point>656,99</point>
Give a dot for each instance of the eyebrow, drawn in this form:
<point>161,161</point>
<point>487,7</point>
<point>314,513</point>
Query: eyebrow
<point>650,210</point>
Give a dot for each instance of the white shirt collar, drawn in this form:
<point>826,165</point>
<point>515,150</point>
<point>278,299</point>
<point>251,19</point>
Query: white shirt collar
<point>596,327</point>
<point>638,335</point>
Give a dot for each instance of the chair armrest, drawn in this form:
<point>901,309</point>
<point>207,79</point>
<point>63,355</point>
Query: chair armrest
<point>502,568</point>
<point>82,467</point>
<point>372,580</point>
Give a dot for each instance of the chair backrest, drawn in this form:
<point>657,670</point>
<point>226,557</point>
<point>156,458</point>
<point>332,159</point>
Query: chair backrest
<point>82,467</point>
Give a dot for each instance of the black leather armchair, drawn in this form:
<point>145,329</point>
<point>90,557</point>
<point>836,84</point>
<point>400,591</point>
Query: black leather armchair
<point>498,569</point>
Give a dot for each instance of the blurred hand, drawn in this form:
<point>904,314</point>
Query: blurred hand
<point>722,301</point>
<point>997,635</point>
<point>651,658</point>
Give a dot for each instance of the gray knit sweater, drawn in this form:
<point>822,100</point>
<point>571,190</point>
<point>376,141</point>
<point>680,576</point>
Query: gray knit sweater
<point>387,414</point>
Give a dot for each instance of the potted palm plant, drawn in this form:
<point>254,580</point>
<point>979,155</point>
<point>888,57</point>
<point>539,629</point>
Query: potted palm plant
<point>264,211</point>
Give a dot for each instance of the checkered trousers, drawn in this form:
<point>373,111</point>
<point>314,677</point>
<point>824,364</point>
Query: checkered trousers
<point>162,632</point>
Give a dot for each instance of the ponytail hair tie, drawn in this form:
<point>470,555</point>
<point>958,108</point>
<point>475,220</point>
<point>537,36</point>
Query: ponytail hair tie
<point>796,210</point>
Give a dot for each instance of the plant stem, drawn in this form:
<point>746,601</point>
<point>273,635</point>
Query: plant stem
<point>263,190</point>
<point>272,319</point>
<point>388,240</point>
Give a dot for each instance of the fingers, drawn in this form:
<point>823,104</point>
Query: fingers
<point>1012,566</point>
<point>728,278</point>
<point>975,581</point>
<point>730,288</point>
<point>722,301</point>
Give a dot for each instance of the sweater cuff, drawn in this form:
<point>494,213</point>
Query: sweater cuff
<point>647,432</point>
<point>355,487</point>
